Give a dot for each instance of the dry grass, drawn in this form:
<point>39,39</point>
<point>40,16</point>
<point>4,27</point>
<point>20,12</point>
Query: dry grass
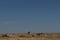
<point>37,36</point>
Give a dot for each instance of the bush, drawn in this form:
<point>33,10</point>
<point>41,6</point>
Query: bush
<point>22,36</point>
<point>33,36</point>
<point>39,34</point>
<point>4,35</point>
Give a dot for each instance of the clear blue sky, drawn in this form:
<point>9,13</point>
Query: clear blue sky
<point>29,15</point>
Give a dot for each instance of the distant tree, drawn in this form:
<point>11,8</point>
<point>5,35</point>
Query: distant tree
<point>28,32</point>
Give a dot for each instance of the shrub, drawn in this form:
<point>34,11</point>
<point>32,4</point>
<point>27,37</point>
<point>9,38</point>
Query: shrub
<point>4,35</point>
<point>33,35</point>
<point>39,34</point>
<point>22,36</point>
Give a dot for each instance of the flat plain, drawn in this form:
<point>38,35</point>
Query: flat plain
<point>30,36</point>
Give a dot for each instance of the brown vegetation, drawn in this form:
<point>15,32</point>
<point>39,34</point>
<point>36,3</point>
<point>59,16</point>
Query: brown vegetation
<point>31,36</point>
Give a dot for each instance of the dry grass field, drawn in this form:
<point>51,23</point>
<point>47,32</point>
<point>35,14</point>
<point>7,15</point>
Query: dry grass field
<point>30,36</point>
